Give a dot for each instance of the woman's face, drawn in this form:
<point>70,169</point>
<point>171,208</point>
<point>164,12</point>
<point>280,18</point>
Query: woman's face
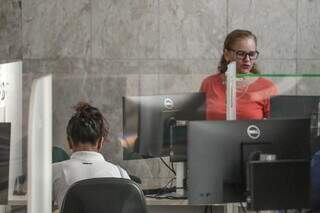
<point>244,52</point>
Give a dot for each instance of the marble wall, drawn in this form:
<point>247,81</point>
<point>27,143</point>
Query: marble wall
<point>101,50</point>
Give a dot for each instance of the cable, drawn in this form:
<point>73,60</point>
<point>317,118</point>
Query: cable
<point>165,186</point>
<point>243,208</point>
<point>172,170</point>
<point>205,209</point>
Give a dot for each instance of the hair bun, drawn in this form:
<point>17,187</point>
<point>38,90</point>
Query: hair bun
<point>87,124</point>
<point>82,107</point>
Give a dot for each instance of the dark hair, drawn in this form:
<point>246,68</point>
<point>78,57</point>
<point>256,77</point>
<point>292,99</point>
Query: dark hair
<point>230,40</point>
<point>87,125</point>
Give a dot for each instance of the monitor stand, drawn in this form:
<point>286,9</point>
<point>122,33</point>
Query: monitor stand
<point>179,165</point>
<point>180,177</point>
<point>180,192</point>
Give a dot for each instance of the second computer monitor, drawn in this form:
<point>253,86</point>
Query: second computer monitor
<point>149,119</point>
<point>5,131</point>
<point>218,150</point>
<point>299,106</point>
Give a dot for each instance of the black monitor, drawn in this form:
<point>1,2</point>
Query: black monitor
<point>294,106</point>
<point>147,120</point>
<point>4,161</point>
<point>299,106</point>
<point>218,152</point>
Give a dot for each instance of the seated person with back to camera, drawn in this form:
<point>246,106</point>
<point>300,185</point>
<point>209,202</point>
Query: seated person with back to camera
<point>86,133</point>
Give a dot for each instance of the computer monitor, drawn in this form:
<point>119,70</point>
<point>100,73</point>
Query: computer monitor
<point>5,131</point>
<point>293,106</point>
<point>148,120</point>
<point>299,106</point>
<point>218,152</point>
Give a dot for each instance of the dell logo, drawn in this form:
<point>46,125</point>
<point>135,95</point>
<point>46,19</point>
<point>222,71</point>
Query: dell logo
<point>253,132</point>
<point>168,103</point>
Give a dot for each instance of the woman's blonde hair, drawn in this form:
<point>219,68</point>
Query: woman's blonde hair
<point>230,40</point>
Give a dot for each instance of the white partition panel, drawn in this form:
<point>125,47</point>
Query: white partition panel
<point>11,111</point>
<point>40,146</point>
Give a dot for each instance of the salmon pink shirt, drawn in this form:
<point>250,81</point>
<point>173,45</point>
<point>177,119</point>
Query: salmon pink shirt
<point>253,99</point>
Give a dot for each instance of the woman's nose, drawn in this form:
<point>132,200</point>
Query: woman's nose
<point>246,58</point>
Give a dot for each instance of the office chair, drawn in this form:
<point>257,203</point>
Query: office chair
<point>104,195</point>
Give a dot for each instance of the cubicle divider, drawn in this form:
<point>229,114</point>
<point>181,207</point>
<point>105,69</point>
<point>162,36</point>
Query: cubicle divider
<point>40,146</point>
<point>11,111</point>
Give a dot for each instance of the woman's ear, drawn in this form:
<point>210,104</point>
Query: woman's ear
<point>100,142</point>
<point>70,144</point>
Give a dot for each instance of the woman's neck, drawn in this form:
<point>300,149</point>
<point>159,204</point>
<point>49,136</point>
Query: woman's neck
<point>85,147</point>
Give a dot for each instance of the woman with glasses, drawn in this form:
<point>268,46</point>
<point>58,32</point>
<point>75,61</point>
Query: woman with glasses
<point>252,94</point>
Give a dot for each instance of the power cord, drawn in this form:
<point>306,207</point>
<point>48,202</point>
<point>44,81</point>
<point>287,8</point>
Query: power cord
<point>206,209</point>
<point>165,163</point>
<point>243,207</point>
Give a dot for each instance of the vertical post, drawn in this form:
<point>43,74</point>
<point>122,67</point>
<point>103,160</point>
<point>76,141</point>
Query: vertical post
<point>231,108</point>
<point>231,91</point>
<point>11,111</point>
<point>180,175</point>
<point>180,166</point>
<point>40,147</point>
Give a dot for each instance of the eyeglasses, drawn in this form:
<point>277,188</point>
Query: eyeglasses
<point>253,55</point>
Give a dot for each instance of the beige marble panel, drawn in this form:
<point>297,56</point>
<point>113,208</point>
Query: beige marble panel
<point>197,68</point>
<point>57,66</point>
<point>149,84</point>
<point>77,84</point>
<point>181,66</point>
<point>171,84</point>
<point>308,29</point>
<point>132,85</point>
<point>197,80</point>
<point>123,66</point>
<point>309,85</point>
<point>10,30</point>
<point>273,22</point>
<point>125,29</point>
<point>191,29</point>
<point>104,92</point>
<point>53,29</point>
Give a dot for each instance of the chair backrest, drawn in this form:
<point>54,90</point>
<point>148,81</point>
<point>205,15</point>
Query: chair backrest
<point>104,195</point>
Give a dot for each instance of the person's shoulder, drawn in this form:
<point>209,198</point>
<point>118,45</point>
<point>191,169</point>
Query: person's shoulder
<point>57,170</point>
<point>60,165</point>
<point>117,168</point>
<point>211,79</point>
<point>124,173</point>
<point>265,83</point>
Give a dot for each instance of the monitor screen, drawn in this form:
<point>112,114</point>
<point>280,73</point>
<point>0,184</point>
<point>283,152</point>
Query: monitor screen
<point>299,106</point>
<point>293,106</point>
<point>146,122</point>
<point>218,150</point>
<point>4,161</point>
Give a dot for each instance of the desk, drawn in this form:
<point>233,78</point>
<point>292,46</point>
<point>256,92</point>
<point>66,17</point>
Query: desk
<point>181,206</point>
